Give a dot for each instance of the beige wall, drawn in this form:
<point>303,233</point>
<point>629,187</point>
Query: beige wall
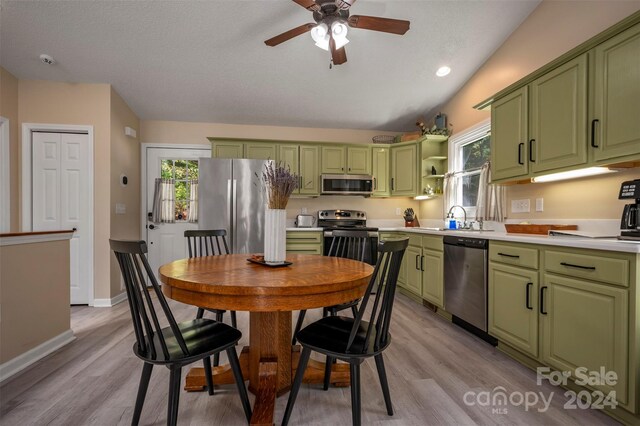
<point>552,29</point>
<point>125,160</point>
<point>35,301</point>
<point>9,110</point>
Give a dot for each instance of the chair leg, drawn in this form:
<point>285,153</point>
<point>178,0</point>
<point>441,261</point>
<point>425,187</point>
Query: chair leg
<point>354,311</point>
<point>200,313</point>
<point>216,357</point>
<point>142,392</point>
<point>327,372</point>
<point>207,374</point>
<point>325,312</point>
<point>382,373</point>
<point>295,387</point>
<point>174,395</point>
<point>298,326</point>
<point>355,393</point>
<point>234,321</point>
<point>237,374</point>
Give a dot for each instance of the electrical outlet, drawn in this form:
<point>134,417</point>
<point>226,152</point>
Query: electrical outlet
<point>539,204</point>
<point>121,208</point>
<point>398,211</point>
<point>520,206</point>
<point>303,210</point>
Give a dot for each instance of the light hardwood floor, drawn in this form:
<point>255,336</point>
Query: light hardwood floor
<point>431,364</point>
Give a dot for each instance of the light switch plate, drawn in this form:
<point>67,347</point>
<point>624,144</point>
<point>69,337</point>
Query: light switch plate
<point>539,204</point>
<point>398,211</point>
<point>520,206</point>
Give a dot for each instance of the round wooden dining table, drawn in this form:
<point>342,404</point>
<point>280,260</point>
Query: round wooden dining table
<point>231,282</point>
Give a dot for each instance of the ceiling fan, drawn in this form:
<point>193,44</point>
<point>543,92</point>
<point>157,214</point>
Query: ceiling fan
<point>330,30</point>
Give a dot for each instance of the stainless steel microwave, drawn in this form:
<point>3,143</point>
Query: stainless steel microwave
<point>347,184</point>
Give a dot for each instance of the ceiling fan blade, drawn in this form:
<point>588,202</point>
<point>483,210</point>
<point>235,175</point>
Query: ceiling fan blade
<point>338,56</point>
<point>309,5</point>
<point>344,4</point>
<point>386,25</point>
<point>288,35</point>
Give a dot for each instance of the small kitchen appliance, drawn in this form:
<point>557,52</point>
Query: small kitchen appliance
<point>353,220</point>
<point>630,223</point>
<point>305,221</point>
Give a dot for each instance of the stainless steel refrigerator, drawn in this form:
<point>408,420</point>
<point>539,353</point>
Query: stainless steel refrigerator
<point>231,197</point>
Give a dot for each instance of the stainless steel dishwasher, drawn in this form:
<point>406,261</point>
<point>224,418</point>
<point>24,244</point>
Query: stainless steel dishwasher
<point>465,280</point>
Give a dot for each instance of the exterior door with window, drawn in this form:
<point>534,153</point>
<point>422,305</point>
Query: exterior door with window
<point>172,202</point>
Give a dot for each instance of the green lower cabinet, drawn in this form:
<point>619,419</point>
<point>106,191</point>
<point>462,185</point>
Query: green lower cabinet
<point>304,242</point>
<point>261,151</point>
<point>586,325</point>
<point>433,277</point>
<point>513,306</point>
<point>413,282</point>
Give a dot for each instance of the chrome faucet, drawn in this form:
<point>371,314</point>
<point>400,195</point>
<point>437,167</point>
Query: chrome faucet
<point>464,224</point>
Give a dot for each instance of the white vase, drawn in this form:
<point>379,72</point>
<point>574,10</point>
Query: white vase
<point>275,235</point>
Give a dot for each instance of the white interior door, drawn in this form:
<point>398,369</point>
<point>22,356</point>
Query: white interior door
<point>165,241</point>
<point>62,198</point>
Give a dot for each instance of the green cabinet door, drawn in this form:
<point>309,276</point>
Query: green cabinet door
<point>380,171</point>
<point>309,170</point>
<point>288,156</point>
<point>513,306</point>
<point>227,150</point>
<point>558,109</point>
<point>334,160</point>
<point>261,151</point>
<point>358,160</point>
<point>585,325</point>
<point>616,103</point>
<point>404,170</point>
<point>413,282</point>
<point>509,132</point>
<point>433,277</point>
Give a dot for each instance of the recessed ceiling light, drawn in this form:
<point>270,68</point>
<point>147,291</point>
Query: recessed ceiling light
<point>46,59</point>
<point>442,71</point>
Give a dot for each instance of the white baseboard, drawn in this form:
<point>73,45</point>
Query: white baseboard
<point>21,362</point>
<point>107,303</point>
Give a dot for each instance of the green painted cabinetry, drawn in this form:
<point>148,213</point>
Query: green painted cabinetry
<point>412,258</point>
<point>616,104</point>
<point>230,149</point>
<point>404,170</point>
<point>380,171</point>
<point>432,263</point>
<point>261,151</point>
<point>309,170</point>
<point>288,155</point>
<point>358,160</point>
<point>304,242</point>
<point>509,131</point>
<point>558,117</point>
<point>334,159</point>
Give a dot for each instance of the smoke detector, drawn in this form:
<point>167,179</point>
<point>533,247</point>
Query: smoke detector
<point>46,59</point>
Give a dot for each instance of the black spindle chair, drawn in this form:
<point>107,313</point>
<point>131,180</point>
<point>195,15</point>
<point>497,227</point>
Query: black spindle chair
<point>174,346</point>
<point>351,245</point>
<point>353,339</point>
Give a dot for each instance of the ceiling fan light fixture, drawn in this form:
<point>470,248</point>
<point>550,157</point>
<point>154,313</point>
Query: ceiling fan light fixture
<point>338,29</point>
<point>320,34</point>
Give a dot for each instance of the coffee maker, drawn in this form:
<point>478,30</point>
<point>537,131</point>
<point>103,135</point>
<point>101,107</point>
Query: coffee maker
<point>630,223</point>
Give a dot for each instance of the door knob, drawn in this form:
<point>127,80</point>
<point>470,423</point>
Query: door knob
<point>152,226</point>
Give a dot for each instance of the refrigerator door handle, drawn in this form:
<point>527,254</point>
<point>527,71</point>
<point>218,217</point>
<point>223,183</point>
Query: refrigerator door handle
<point>234,214</point>
<point>230,210</point>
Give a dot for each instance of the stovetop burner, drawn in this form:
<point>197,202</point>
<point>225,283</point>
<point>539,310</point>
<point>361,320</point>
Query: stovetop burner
<point>344,219</point>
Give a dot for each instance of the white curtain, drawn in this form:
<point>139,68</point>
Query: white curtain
<point>450,189</point>
<point>193,201</point>
<point>491,204</point>
<point>164,203</point>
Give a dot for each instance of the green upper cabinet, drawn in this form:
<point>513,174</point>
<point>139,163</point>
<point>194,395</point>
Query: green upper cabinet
<point>380,171</point>
<point>288,155</point>
<point>615,122</point>
<point>334,160</point>
<point>309,170</point>
<point>558,112</point>
<point>404,170</point>
<point>509,136</point>
<point>358,160</point>
<point>261,151</point>
<point>231,149</point>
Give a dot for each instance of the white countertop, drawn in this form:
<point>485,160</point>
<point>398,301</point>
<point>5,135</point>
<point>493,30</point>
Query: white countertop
<point>303,229</point>
<point>610,244</point>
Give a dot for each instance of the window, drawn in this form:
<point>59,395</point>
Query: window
<point>185,176</point>
<point>467,153</point>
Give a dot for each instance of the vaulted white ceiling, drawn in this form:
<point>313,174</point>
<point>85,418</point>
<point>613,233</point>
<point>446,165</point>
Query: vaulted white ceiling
<point>206,60</point>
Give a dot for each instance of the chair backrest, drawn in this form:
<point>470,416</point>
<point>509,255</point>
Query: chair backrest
<point>350,244</point>
<point>133,262</point>
<point>383,285</point>
<point>209,242</point>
